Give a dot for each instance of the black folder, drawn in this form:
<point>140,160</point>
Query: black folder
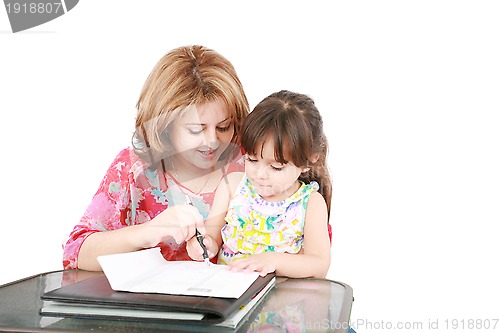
<point>97,292</point>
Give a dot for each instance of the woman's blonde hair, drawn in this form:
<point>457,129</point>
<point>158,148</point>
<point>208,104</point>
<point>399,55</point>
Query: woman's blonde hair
<point>185,76</point>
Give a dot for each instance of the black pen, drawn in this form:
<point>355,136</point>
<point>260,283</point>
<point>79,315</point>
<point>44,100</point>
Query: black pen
<point>199,236</point>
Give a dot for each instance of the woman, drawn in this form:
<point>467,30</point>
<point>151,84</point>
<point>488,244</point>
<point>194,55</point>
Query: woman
<point>189,115</point>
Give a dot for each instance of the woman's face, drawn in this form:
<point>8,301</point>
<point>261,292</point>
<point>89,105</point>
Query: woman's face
<point>201,135</point>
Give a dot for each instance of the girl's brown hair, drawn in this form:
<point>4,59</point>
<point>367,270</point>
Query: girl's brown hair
<point>185,76</point>
<point>295,124</point>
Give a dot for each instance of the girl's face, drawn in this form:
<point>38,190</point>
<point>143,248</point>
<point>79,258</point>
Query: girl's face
<point>201,135</point>
<point>272,180</point>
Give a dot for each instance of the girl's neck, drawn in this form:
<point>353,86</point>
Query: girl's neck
<point>285,194</point>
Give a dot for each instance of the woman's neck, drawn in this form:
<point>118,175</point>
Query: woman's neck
<point>197,180</point>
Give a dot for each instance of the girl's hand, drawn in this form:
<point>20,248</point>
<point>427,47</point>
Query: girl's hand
<point>179,222</point>
<point>195,251</point>
<point>263,263</point>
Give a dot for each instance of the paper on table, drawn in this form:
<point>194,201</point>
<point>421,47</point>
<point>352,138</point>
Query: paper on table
<point>147,271</point>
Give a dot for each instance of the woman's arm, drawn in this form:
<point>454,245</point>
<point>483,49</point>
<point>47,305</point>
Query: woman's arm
<point>314,258</point>
<point>107,242</point>
<point>178,222</point>
<point>109,226</point>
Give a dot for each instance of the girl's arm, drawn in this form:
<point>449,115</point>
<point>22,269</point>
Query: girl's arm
<point>215,220</point>
<point>312,261</point>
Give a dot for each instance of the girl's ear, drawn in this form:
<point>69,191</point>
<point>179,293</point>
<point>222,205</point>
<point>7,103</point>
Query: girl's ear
<point>314,158</point>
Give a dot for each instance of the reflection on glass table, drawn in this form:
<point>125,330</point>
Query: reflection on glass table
<point>293,305</point>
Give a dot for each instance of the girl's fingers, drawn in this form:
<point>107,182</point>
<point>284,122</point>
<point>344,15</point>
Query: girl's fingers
<point>238,265</point>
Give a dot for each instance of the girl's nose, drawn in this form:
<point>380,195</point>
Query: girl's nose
<point>261,171</point>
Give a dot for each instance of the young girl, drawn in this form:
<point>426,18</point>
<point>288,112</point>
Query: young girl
<point>278,210</point>
<point>189,116</point>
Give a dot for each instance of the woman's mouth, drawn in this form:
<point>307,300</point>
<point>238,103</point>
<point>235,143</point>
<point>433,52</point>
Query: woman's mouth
<point>207,154</point>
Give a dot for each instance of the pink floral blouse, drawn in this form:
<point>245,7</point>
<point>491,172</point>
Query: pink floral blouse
<point>132,194</point>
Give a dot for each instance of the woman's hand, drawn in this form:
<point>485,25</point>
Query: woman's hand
<point>263,263</point>
<point>179,222</point>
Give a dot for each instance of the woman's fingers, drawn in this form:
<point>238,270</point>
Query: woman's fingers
<point>184,222</point>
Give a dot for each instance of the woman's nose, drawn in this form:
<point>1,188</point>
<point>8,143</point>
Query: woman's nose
<point>211,138</point>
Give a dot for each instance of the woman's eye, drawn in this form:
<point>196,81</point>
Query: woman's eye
<point>195,129</point>
<point>276,168</point>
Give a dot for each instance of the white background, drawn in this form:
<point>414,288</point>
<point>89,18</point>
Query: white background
<point>409,91</point>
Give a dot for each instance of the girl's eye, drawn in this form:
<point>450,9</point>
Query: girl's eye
<point>276,168</point>
<point>224,129</point>
<point>250,159</point>
<point>195,132</point>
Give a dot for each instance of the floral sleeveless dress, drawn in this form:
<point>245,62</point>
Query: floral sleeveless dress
<point>254,225</point>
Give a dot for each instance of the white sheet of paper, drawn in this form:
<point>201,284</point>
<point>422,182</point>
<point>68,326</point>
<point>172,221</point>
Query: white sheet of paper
<point>147,271</point>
